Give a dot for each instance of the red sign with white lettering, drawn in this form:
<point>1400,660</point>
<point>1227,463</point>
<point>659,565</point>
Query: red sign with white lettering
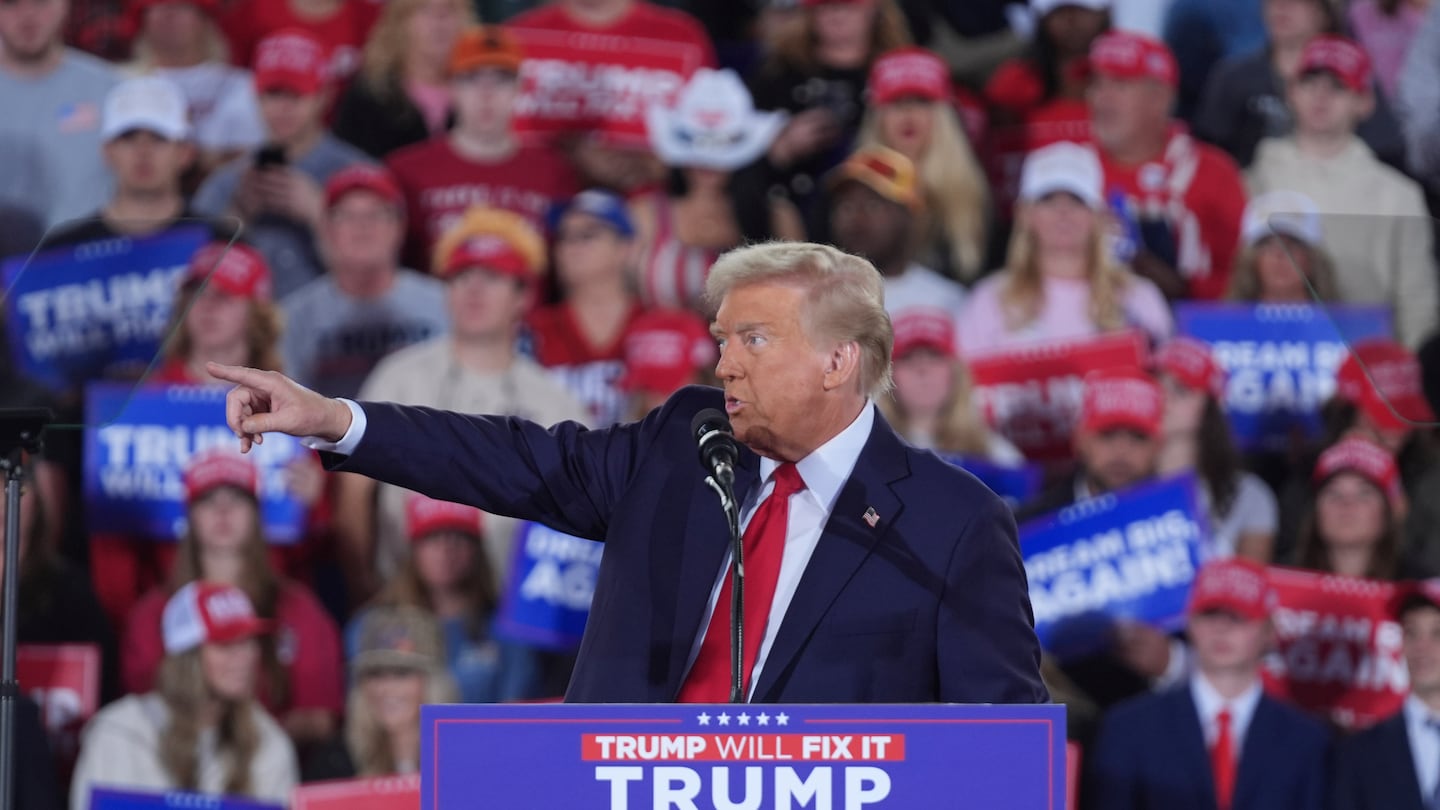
<point>384,793</point>
<point>64,679</point>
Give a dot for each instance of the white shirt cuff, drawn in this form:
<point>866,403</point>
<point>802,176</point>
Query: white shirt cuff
<point>347,444</point>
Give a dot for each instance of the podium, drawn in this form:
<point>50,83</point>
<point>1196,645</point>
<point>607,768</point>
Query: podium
<point>742,757</point>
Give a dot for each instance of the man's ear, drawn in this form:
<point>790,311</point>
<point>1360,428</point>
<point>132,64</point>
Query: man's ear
<point>842,365</point>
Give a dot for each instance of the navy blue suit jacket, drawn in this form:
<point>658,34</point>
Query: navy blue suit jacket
<point>1374,770</point>
<point>929,604</point>
<point>1150,754</point>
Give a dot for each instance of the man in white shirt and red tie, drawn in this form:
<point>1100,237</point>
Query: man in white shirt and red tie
<point>1395,764</point>
<point>1216,741</point>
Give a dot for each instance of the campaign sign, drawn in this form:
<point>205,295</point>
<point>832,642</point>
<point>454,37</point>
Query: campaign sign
<point>73,314</point>
<point>64,681</point>
<point>1016,484</point>
<point>552,580</point>
<point>1280,361</point>
<point>753,756</point>
<point>1338,649</point>
<point>1126,555</point>
<point>137,446</point>
<point>574,82</point>
<point>1032,395</point>
<point>381,793</point>
<point>107,799</point>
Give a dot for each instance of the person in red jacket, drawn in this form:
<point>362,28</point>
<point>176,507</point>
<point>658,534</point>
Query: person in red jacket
<point>1179,201</point>
<point>225,544</point>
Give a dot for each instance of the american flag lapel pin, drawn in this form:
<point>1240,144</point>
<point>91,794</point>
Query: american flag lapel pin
<point>870,517</point>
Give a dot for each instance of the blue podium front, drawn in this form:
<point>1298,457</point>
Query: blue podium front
<point>742,757</point>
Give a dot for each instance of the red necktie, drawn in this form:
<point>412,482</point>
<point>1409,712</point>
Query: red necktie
<point>1222,761</point>
<point>764,545</point>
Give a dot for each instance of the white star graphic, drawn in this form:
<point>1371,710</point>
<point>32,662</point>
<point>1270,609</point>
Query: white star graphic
<point>744,719</point>
<point>704,719</point>
<point>782,719</point>
<point>763,719</point>
<point>724,719</point>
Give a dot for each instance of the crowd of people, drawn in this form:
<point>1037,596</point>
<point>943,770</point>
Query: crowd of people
<point>432,202</point>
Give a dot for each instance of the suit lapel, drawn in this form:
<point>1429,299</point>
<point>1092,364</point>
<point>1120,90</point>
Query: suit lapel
<point>844,545</point>
<point>1398,762</point>
<point>1255,749</point>
<point>1190,738</point>
<point>706,541</point>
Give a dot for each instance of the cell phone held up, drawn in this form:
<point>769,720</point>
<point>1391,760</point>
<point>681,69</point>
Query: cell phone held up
<point>271,156</point>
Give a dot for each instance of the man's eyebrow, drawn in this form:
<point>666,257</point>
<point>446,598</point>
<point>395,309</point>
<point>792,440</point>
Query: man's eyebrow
<point>717,331</point>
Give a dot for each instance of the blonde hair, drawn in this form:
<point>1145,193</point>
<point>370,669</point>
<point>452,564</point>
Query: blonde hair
<point>1024,291</point>
<point>1245,281</point>
<point>217,48</point>
<point>263,327</point>
<point>383,60</point>
<point>957,194</point>
<point>181,685</point>
<point>846,300</point>
<point>794,45</point>
<point>479,584</point>
<point>482,221</point>
<point>367,741</point>
<point>959,429</point>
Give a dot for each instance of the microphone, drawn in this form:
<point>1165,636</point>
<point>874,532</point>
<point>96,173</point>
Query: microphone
<point>718,451</point>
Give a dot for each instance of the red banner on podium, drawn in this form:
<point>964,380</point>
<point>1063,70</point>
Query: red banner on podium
<point>384,793</point>
<point>1032,395</point>
<point>64,679</point>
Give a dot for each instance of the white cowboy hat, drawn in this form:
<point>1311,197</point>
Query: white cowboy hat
<point>712,125</point>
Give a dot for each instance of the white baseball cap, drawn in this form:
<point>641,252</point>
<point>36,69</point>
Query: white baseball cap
<point>151,103</point>
<point>712,125</point>
<point>209,613</point>
<point>1042,7</point>
<point>1287,213</point>
<point>1063,167</point>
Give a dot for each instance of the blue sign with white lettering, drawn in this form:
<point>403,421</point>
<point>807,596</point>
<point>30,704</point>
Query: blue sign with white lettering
<point>138,442</point>
<point>1016,484</point>
<point>76,314</point>
<point>1124,555</point>
<point>1280,361</point>
<point>552,580</point>
<point>752,756</point>
<point>108,799</point>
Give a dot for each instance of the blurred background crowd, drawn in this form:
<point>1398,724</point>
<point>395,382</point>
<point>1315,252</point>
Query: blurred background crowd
<point>490,206</point>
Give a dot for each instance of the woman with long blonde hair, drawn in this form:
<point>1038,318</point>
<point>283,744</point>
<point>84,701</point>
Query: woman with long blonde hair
<point>225,312</point>
<point>201,729</point>
<point>1282,256</point>
<point>1060,280</point>
<point>910,112</point>
<point>401,94</point>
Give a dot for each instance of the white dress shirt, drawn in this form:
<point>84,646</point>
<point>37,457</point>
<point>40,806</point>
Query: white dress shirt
<point>824,472</point>
<point>1424,744</point>
<point>1208,704</point>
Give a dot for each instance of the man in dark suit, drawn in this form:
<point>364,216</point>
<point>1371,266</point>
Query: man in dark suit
<point>1395,764</point>
<point>874,572</point>
<point>1216,741</point>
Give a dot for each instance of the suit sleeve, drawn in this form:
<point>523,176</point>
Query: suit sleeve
<point>566,476</point>
<point>988,652</point>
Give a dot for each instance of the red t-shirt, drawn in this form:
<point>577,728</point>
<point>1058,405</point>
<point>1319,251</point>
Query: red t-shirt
<point>440,185</point>
<point>1194,193</point>
<point>645,20</point>
<point>343,33</point>
<point>589,372</point>
<point>307,643</point>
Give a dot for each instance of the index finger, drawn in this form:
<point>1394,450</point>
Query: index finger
<point>239,374</point>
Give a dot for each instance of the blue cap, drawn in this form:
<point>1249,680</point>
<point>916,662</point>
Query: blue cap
<point>603,205</point>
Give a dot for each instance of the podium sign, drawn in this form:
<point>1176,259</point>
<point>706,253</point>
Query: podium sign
<point>107,799</point>
<point>742,757</point>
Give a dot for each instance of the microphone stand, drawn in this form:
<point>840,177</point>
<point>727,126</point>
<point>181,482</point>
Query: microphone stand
<point>725,488</point>
<point>20,430</point>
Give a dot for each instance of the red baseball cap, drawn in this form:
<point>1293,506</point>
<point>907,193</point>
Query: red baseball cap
<point>1128,55</point>
<point>664,349</point>
<point>1383,379</point>
<point>235,269</point>
<point>291,60</point>
<point>426,516</point>
<point>1122,398</point>
<point>363,177</point>
<point>1409,595</point>
<point>1190,361</point>
<point>1339,57</point>
<point>209,613</point>
<point>924,328</point>
<point>1236,586</point>
<point>219,467</point>
<point>492,252</point>
<point>909,73</point>
<point>1364,458</point>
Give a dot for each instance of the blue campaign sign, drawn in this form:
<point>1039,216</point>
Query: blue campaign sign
<point>752,756</point>
<point>1016,484</point>
<point>138,442</point>
<point>74,313</point>
<point>1131,554</point>
<point>547,600</point>
<point>1280,361</point>
<point>107,799</point>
